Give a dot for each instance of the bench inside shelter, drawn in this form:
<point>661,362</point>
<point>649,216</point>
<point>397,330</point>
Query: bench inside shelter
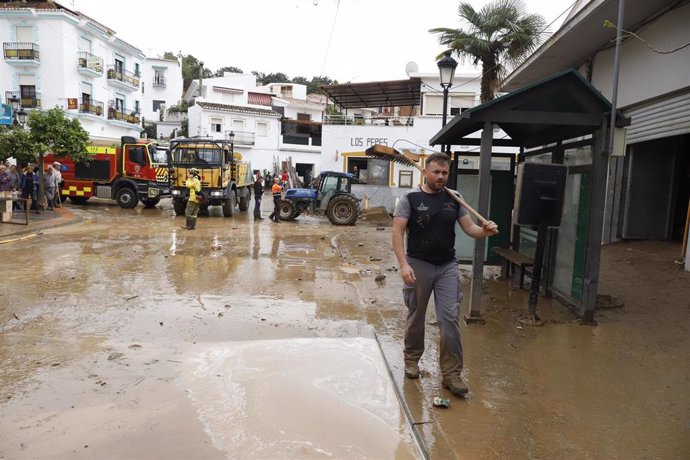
<point>512,258</point>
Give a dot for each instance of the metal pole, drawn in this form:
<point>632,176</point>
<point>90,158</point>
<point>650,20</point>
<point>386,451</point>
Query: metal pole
<point>474,314</point>
<point>445,105</point>
<point>616,68</point>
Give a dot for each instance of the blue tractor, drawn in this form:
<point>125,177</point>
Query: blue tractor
<point>329,193</point>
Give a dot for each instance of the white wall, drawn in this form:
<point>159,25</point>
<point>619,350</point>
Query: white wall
<point>171,92</point>
<point>57,77</point>
<point>645,74</point>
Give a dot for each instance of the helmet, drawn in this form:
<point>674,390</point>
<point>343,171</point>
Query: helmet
<point>193,172</point>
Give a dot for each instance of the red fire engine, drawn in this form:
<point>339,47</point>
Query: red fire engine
<point>133,172</point>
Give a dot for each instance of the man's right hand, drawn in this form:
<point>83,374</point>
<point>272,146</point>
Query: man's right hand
<point>407,274</point>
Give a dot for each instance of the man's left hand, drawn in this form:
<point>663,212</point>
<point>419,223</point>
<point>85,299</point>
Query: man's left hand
<point>489,227</point>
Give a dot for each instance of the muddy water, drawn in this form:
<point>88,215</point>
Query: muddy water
<point>118,319</point>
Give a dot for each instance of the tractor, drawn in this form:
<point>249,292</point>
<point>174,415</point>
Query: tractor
<point>328,193</point>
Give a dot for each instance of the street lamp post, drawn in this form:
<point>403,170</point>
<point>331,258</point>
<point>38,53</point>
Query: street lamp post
<point>20,114</point>
<point>446,68</point>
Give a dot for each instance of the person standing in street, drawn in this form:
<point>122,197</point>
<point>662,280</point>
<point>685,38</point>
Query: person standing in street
<point>49,186</point>
<point>258,191</point>
<point>30,189</point>
<point>428,216</point>
<point>15,183</point>
<point>277,192</point>
<point>194,185</point>
<point>57,200</point>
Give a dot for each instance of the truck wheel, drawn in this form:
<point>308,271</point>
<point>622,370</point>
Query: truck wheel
<point>179,205</point>
<point>150,202</point>
<point>288,210</point>
<point>126,198</point>
<point>78,199</point>
<point>229,205</point>
<point>244,203</point>
<point>342,210</point>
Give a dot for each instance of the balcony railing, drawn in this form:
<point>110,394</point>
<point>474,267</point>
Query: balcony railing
<point>116,73</point>
<point>92,107</point>
<point>301,132</point>
<point>377,120</point>
<point>27,101</point>
<point>89,61</point>
<point>20,51</point>
<point>159,82</point>
<point>244,138</point>
<point>126,116</point>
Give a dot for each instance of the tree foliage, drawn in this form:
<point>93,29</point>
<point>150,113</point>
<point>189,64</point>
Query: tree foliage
<point>18,143</point>
<point>54,132</point>
<point>231,69</point>
<point>500,32</point>
<point>49,131</point>
<point>190,71</point>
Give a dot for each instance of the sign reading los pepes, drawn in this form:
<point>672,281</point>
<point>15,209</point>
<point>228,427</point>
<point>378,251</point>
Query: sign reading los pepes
<point>367,141</point>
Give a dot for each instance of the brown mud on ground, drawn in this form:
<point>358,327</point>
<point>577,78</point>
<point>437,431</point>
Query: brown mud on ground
<point>106,324</point>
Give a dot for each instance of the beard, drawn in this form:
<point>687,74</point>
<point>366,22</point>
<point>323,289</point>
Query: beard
<point>436,186</point>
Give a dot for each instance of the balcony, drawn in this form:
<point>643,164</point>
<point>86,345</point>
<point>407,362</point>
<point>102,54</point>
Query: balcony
<point>123,78</point>
<point>27,100</point>
<point>89,64</point>
<point>244,138</point>
<point>91,107</point>
<point>158,82</point>
<point>377,120</point>
<point>21,53</point>
<point>296,132</point>
<point>126,116</point>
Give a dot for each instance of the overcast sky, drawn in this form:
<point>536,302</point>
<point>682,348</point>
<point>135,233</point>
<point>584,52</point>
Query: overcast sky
<point>347,40</point>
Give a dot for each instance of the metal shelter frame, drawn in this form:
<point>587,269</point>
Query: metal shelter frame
<point>560,107</point>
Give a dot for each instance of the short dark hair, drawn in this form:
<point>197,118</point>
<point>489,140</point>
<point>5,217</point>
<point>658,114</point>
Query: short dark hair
<point>438,157</point>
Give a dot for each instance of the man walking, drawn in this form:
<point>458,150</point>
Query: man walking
<point>258,191</point>
<point>428,215</point>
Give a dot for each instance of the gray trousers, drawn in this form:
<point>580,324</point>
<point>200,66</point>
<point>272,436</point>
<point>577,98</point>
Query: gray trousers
<point>444,281</point>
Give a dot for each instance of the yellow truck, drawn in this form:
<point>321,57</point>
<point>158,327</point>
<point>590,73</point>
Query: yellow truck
<point>226,180</point>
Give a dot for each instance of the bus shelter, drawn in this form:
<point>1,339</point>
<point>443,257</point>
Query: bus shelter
<point>561,119</point>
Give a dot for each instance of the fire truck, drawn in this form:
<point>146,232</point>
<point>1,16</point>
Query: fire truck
<point>226,180</point>
<point>135,171</point>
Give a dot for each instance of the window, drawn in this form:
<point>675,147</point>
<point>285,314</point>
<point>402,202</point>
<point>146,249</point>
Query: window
<point>405,179</point>
<point>238,125</point>
<point>119,103</point>
<point>136,69</point>
<point>84,44</point>
<point>157,105</point>
<point>25,34</point>
<point>119,65</point>
<point>433,104</point>
<point>137,107</point>
<point>303,117</point>
<point>261,129</point>
<point>159,78</point>
<point>86,89</point>
<point>216,125</point>
<point>137,155</point>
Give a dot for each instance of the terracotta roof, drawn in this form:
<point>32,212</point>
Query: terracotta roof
<point>225,89</point>
<point>238,109</point>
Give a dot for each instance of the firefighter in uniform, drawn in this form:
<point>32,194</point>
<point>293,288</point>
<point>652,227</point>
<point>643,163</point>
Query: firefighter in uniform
<point>194,185</point>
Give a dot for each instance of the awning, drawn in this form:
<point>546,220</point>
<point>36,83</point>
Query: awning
<point>562,106</point>
<point>397,93</point>
<point>259,99</point>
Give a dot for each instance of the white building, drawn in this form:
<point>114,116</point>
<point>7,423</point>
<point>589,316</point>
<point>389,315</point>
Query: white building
<point>271,123</point>
<point>649,186</point>
<point>161,86</point>
<point>53,56</point>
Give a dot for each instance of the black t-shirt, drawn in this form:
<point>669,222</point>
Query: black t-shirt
<point>431,219</point>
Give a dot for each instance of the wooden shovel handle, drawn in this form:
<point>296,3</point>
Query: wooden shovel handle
<point>450,192</point>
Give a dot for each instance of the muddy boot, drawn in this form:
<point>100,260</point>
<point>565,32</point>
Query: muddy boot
<point>455,385</point>
<point>276,219</point>
<point>257,215</point>
<point>271,216</point>
<point>193,223</point>
<point>188,223</point>
<point>412,371</point>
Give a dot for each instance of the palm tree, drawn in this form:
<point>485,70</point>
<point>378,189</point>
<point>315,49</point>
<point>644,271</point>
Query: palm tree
<point>500,32</point>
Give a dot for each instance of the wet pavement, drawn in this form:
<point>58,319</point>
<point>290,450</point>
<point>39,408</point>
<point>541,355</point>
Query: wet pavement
<point>123,336</point>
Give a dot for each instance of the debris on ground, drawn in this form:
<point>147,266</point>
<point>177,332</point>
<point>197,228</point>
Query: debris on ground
<point>441,402</point>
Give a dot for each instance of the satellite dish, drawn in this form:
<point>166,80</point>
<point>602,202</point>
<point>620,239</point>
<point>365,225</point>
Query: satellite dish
<point>411,67</point>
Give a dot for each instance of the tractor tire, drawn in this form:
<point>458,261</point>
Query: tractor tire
<point>342,210</point>
<point>179,205</point>
<point>229,205</point>
<point>244,203</point>
<point>150,203</point>
<point>288,210</point>
<point>78,199</point>
<point>126,198</point>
